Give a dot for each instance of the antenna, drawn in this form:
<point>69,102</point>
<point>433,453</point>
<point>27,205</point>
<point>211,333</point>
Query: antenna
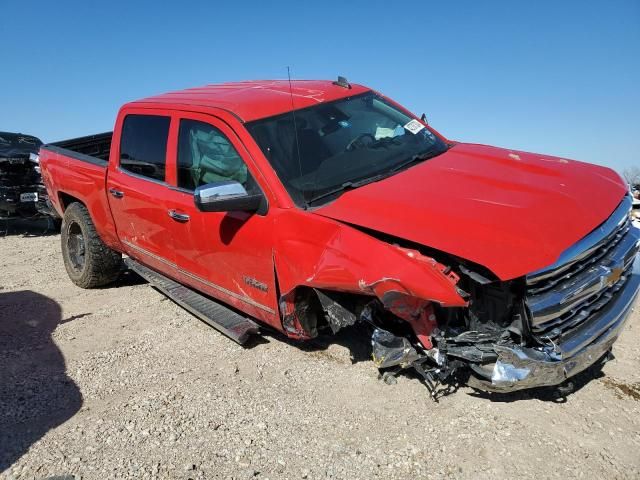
<point>295,125</point>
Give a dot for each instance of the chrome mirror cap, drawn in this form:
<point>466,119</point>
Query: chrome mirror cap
<point>223,190</point>
<point>228,196</point>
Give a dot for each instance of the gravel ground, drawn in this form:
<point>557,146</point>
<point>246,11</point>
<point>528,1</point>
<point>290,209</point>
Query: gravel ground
<point>122,383</point>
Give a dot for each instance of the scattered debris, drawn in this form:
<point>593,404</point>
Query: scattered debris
<point>390,350</point>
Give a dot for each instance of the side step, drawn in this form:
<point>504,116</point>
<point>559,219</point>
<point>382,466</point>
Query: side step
<point>223,319</point>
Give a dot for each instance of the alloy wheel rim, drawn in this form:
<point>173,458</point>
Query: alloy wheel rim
<point>76,246</point>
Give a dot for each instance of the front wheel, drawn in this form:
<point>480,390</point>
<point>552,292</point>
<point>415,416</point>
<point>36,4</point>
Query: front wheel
<point>89,262</point>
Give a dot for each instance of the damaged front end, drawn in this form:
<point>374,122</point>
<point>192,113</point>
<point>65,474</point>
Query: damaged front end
<point>462,323</point>
<point>22,192</point>
<point>456,342</point>
<point>543,329</point>
<point>576,308</point>
<point>494,348</point>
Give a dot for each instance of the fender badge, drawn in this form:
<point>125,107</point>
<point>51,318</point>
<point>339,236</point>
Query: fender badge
<point>252,282</point>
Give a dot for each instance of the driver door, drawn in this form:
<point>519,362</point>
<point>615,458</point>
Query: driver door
<point>228,255</point>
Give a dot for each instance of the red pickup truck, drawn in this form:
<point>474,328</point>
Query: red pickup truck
<point>312,206</point>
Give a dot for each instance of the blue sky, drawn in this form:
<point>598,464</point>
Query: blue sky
<point>555,77</point>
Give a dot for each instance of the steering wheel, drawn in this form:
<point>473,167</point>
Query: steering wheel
<point>358,143</point>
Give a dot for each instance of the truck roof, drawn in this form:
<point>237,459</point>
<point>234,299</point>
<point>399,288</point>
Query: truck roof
<point>252,100</point>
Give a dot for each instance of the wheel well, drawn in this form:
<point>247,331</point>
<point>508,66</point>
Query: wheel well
<point>306,310</point>
<point>66,200</point>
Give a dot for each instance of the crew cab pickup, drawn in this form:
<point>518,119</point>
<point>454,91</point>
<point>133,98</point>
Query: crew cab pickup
<point>312,206</point>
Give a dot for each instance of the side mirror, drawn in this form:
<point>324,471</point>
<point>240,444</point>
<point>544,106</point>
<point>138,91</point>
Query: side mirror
<point>227,196</point>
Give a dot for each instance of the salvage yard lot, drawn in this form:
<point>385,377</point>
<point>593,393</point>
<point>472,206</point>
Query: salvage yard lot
<point>122,383</point>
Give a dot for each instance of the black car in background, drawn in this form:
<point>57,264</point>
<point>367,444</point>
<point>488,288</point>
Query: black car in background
<point>22,193</point>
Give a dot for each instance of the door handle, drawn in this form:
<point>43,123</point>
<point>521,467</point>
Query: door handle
<point>116,193</point>
<point>178,217</point>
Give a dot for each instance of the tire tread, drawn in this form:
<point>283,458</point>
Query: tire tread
<point>103,265</point>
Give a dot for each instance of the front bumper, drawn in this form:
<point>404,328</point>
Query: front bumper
<point>519,368</point>
<point>10,203</point>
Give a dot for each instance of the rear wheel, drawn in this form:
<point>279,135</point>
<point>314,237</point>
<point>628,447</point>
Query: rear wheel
<point>89,262</point>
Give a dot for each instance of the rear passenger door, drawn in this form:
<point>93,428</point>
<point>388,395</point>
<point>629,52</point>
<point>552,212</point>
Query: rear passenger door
<point>137,190</point>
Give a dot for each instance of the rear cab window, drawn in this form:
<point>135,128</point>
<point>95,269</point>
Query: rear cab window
<point>143,145</point>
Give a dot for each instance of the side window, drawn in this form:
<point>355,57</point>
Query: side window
<point>143,146</point>
<point>205,155</point>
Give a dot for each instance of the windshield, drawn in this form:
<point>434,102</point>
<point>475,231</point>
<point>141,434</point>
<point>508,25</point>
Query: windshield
<point>342,144</point>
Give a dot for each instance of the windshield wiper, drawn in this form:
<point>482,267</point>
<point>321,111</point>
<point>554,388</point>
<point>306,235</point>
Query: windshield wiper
<point>347,186</point>
<point>420,157</point>
<point>359,183</point>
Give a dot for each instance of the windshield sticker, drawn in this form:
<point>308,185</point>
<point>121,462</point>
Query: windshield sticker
<point>382,132</point>
<point>414,126</point>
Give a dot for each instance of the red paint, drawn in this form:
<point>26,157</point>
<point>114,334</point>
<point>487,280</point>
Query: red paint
<point>84,181</point>
<point>257,99</point>
<point>419,313</point>
<point>512,212</point>
<point>222,248</point>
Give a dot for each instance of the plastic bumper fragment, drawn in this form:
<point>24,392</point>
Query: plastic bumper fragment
<point>390,351</point>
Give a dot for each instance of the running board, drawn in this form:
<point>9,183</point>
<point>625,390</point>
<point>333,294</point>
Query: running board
<point>223,319</point>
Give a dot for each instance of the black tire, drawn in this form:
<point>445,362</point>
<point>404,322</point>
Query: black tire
<point>89,262</point>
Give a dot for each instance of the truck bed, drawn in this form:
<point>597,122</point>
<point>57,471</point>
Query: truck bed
<point>97,146</point>
<point>92,149</point>
<point>75,170</point>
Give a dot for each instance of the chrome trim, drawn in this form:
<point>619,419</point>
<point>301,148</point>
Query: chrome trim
<point>149,254</point>
<point>173,265</point>
<point>549,305</point>
<point>223,190</point>
<point>586,246</point>
<point>116,193</point>
<point>177,216</point>
<point>518,367</point>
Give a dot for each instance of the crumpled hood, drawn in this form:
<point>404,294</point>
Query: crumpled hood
<point>510,211</point>
<point>17,145</point>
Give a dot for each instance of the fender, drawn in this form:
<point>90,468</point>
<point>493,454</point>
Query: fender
<point>310,252</point>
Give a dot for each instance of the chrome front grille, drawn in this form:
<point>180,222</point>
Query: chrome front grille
<point>587,276</point>
<point>579,266</point>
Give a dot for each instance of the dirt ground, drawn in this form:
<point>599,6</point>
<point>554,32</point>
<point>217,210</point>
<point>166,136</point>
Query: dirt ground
<point>122,383</point>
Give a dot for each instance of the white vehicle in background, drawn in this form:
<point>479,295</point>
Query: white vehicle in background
<point>635,205</point>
